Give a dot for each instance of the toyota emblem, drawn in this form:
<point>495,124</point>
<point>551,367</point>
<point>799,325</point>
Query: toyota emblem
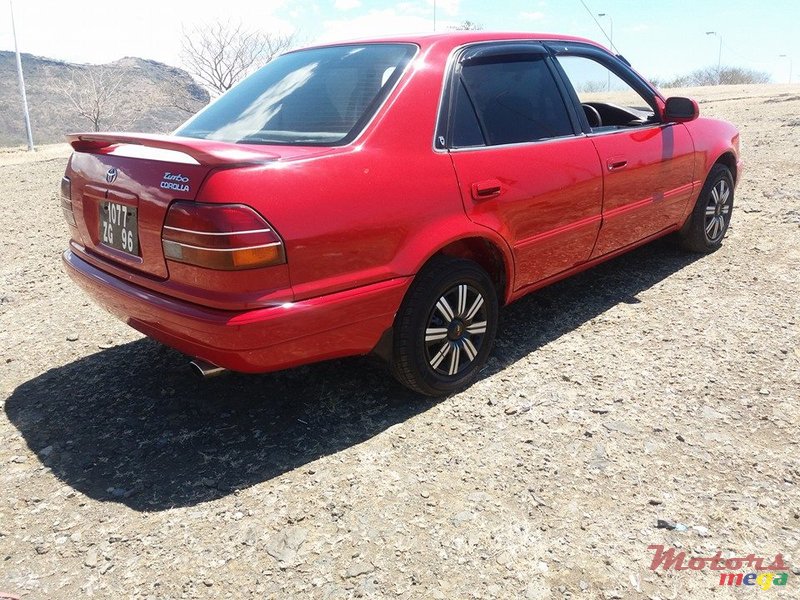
<point>111,175</point>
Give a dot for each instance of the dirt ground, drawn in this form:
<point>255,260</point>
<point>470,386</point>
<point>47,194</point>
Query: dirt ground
<point>658,386</point>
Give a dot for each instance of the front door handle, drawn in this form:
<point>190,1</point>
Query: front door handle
<point>489,188</point>
<point>616,162</point>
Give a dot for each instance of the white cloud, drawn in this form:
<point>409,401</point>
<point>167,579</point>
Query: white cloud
<point>448,7</point>
<point>152,31</point>
<point>638,28</point>
<point>375,23</point>
<point>533,16</point>
<point>346,4</point>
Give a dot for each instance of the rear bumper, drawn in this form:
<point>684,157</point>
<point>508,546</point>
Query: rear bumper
<point>266,339</point>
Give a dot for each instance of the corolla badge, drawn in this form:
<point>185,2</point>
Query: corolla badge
<point>175,181</point>
<point>111,175</point>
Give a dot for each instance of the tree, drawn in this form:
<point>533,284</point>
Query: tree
<point>96,95</point>
<point>222,54</point>
<point>467,26</point>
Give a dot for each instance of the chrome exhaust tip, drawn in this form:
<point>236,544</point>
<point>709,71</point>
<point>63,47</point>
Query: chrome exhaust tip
<point>205,369</point>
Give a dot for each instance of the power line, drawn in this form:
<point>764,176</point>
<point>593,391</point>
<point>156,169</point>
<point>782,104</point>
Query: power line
<point>591,14</point>
<point>729,50</point>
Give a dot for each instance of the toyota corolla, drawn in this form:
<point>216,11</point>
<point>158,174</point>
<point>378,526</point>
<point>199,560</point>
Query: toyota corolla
<point>388,197</point>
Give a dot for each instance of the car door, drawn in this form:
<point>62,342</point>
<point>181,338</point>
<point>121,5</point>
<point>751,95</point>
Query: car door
<point>524,168</point>
<point>648,166</point>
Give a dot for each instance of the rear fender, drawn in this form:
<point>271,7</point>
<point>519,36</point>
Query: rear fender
<point>432,239</point>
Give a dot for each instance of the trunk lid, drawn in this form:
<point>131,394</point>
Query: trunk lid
<point>143,174</point>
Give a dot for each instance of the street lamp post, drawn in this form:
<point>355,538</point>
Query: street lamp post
<point>610,40</point>
<point>434,16</point>
<point>790,64</point>
<point>21,82</point>
<point>719,56</point>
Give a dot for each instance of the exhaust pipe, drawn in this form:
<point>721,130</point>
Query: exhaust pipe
<point>205,369</point>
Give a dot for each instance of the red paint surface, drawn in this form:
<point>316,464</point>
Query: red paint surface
<point>359,221</point>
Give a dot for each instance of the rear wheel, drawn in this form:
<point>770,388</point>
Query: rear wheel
<point>445,328</point>
<point>712,213</point>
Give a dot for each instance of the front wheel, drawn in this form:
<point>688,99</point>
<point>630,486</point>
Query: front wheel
<point>445,328</point>
<point>711,216</point>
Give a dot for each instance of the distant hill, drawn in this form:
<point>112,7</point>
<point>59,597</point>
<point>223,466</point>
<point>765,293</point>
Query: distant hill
<point>147,95</point>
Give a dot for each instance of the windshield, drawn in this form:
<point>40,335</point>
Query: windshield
<point>321,96</point>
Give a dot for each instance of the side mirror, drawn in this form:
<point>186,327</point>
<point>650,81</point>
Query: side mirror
<point>680,110</point>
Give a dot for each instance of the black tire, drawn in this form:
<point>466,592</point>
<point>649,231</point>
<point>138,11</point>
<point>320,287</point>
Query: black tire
<point>709,221</point>
<point>436,355</point>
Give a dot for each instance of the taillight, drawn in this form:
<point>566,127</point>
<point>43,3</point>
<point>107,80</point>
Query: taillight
<point>66,201</point>
<point>226,237</point>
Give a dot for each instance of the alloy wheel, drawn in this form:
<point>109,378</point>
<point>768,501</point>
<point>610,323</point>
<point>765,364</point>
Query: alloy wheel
<point>718,210</point>
<point>455,330</point>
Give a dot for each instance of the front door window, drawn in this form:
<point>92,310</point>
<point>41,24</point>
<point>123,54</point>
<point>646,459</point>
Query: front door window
<point>608,101</point>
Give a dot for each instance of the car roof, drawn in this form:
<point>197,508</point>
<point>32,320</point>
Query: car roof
<point>455,39</point>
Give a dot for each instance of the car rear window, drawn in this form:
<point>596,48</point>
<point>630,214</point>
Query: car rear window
<point>321,96</point>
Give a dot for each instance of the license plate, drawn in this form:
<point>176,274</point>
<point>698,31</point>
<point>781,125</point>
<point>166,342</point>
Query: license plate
<point>119,227</point>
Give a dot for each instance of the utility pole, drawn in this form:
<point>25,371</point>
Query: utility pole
<point>611,41</point>
<point>790,64</point>
<point>21,81</point>
<point>719,56</point>
<point>434,16</point>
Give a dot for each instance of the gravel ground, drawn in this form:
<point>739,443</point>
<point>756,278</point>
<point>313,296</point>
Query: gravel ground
<point>658,386</point>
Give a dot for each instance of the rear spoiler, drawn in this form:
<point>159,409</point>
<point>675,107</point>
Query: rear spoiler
<point>206,152</point>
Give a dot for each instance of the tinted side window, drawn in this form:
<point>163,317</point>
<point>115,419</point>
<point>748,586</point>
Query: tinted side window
<point>516,101</point>
<point>466,129</point>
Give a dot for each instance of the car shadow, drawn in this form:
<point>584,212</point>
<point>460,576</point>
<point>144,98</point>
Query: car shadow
<point>133,425</point>
<point>546,315</point>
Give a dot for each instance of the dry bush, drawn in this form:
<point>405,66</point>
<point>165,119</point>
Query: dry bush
<point>592,87</point>
<point>467,26</point>
<point>96,94</point>
<point>715,76</point>
<point>222,54</point>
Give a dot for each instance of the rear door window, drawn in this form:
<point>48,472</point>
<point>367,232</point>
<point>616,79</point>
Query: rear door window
<point>466,128</point>
<point>508,100</point>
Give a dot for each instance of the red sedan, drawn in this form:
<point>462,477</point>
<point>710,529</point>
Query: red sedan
<point>388,197</point>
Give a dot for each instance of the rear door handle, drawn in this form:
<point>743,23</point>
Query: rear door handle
<point>616,162</point>
<point>489,188</point>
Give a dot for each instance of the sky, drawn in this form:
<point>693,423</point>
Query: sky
<point>660,38</point>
